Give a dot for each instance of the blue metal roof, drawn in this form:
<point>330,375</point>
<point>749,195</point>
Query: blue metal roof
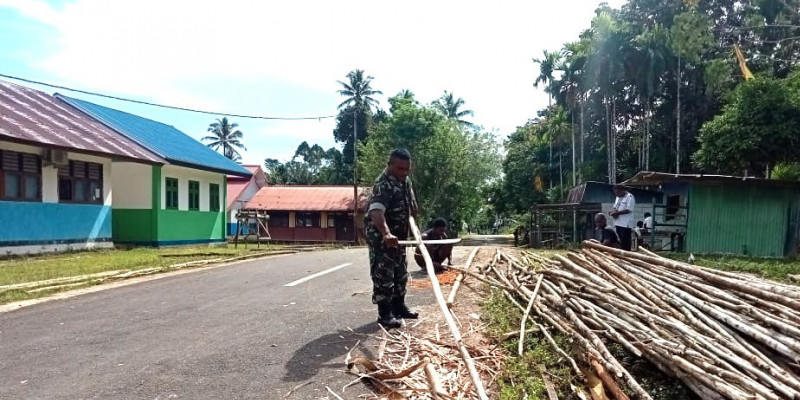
<point>173,145</point>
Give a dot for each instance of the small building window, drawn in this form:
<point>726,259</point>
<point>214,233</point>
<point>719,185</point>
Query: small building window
<point>307,220</point>
<point>194,195</point>
<point>171,186</point>
<point>279,219</point>
<point>213,197</point>
<point>673,207</point>
<point>81,182</point>
<point>20,176</point>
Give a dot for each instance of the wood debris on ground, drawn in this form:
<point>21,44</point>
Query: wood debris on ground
<point>724,335</point>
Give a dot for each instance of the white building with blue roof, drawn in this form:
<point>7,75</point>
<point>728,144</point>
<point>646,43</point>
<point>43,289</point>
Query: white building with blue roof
<point>181,202</point>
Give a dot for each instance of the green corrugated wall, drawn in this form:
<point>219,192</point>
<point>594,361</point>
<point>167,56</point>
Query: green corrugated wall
<point>740,219</point>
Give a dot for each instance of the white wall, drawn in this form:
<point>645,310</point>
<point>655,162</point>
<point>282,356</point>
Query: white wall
<point>133,185</point>
<point>184,175</point>
<point>50,173</point>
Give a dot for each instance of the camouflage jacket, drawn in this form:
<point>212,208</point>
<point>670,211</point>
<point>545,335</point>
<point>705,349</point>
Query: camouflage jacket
<point>396,198</point>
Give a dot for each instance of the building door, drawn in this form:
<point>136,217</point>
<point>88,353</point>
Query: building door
<point>344,227</point>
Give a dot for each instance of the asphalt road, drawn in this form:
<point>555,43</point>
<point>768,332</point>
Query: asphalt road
<point>232,332</point>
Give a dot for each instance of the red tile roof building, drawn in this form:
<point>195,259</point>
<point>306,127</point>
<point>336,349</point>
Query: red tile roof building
<point>310,213</point>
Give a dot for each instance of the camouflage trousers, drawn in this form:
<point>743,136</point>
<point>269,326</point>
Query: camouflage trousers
<point>387,266</point>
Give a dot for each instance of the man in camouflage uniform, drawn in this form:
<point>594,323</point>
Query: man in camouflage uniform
<point>386,222</point>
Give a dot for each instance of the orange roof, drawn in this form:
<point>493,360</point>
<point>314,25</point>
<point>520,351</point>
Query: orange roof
<point>307,198</point>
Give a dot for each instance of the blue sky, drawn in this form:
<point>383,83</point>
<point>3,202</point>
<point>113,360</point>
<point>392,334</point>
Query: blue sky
<point>283,58</point>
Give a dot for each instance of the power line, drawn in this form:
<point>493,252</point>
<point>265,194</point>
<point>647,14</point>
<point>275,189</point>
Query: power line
<point>164,105</point>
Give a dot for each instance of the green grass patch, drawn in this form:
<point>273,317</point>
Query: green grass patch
<point>770,268</point>
<point>26,269</point>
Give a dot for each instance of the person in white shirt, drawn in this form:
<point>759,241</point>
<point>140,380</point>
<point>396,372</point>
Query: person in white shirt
<point>622,214</point>
<point>648,222</point>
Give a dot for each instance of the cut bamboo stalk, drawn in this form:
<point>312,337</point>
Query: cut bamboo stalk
<point>457,284</point>
<point>476,378</point>
<point>525,315</point>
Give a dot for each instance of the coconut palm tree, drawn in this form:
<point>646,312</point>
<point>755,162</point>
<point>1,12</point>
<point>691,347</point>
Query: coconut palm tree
<point>358,90</point>
<point>225,135</point>
<point>450,107</point>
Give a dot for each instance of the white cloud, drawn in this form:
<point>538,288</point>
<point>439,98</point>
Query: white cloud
<point>169,50</point>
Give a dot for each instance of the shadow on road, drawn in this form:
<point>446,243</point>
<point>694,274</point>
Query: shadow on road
<point>326,351</point>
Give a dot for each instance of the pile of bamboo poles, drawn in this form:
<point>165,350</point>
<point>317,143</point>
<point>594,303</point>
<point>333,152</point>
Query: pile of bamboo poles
<point>725,335</point>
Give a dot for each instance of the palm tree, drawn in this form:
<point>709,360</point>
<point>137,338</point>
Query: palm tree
<point>547,65</point>
<point>358,90</point>
<point>224,135</point>
<point>605,66</point>
<point>653,46</point>
<point>450,107</point>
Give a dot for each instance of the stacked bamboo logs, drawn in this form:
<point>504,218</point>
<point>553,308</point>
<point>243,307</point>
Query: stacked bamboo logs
<point>725,335</point>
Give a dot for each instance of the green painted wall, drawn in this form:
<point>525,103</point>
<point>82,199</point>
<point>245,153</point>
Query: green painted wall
<point>157,226</point>
<point>741,219</point>
<point>174,225</point>
<point>129,226</point>
<point>156,205</point>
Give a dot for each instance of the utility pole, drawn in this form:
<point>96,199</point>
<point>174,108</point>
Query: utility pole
<point>355,175</point>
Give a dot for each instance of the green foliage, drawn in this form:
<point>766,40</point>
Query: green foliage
<point>311,165</point>
<point>450,107</point>
<point>617,83</point>
<point>758,128</point>
<point>788,171</point>
<point>225,136</point>
<point>449,164</point>
<point>691,35</point>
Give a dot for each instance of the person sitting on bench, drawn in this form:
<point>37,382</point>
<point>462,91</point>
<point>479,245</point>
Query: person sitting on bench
<point>606,236</point>
<point>439,252</point>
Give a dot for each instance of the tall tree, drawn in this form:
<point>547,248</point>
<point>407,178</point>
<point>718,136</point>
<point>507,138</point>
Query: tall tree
<point>758,128</point>
<point>354,113</point>
<point>690,37</point>
<point>451,107</point>
<point>547,66</point>
<point>225,136</point>
<point>358,91</point>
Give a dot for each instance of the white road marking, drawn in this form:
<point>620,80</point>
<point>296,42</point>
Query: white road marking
<point>317,275</point>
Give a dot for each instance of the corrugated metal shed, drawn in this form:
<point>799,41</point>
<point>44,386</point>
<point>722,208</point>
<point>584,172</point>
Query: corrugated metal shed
<point>307,198</point>
<point>175,146</point>
<point>742,219</point>
<point>735,215</point>
<point>33,117</point>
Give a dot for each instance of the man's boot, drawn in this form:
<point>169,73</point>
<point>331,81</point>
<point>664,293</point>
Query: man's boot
<point>385,317</point>
<point>400,310</point>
